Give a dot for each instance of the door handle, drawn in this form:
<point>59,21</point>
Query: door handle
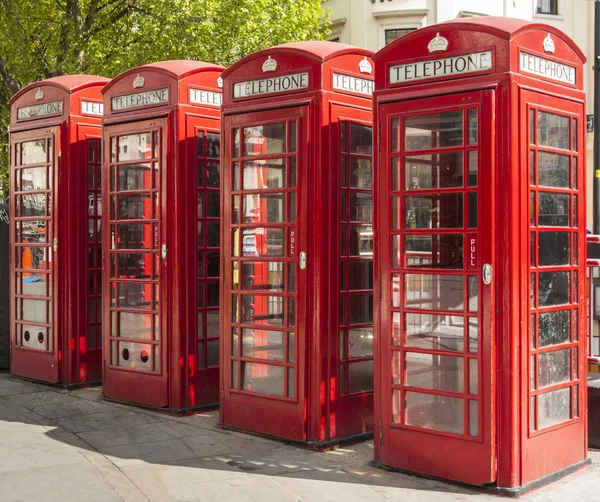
<point>55,244</point>
<point>302,260</point>
<point>163,251</point>
<point>487,273</point>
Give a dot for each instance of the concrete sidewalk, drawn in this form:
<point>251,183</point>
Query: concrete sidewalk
<point>72,446</point>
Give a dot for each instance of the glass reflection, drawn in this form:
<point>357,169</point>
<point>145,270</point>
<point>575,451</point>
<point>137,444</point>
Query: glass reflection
<point>434,171</point>
<point>264,174</point>
<point>433,211</point>
<point>266,139</point>
<point>262,310</point>
<point>439,130</point>
<point>435,332</point>
<point>262,276</point>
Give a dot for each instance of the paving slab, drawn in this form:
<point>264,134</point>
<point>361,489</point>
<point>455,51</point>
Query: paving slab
<point>54,405</point>
<point>153,431</point>
<point>112,419</point>
<point>80,482</point>
<point>39,450</point>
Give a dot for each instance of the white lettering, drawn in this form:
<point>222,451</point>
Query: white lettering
<point>353,84</point>
<point>209,98</point>
<point>92,108</point>
<point>29,112</point>
<point>271,85</point>
<point>457,65</point>
<point>546,68</point>
<point>146,98</point>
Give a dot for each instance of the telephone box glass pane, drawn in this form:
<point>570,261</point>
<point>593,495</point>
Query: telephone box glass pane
<point>554,328</point>
<point>432,211</point>
<point>434,251</point>
<point>33,152</point>
<point>135,147</point>
<point>473,127</point>
<point>264,174</point>
<point>262,276</point>
<point>553,288</point>
<point>267,139</point>
<point>553,209</point>
<point>440,413</point>
<point>553,130</point>
<point>553,170</point>
<point>264,208</point>
<point>213,145</point>
<point>473,168</point>
<point>553,248</point>
<point>436,292</point>
<point>435,332</point>
<point>554,407</point>
<point>360,377</point>
<point>360,342</point>
<point>424,172</point>
<point>361,173</point>
<point>263,344</point>
<point>263,379</point>
<point>439,130</point>
<point>431,371</point>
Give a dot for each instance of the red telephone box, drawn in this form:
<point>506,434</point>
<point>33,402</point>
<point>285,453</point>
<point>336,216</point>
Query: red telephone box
<point>55,211</point>
<point>481,318</point>
<point>161,235</point>
<point>297,243</point>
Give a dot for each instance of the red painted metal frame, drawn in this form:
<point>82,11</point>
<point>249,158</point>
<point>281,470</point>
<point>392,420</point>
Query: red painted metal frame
<point>179,384</point>
<point>71,361</point>
<point>521,459</point>
<point>319,416</point>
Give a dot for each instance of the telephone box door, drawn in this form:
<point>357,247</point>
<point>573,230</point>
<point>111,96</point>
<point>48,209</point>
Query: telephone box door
<point>133,178</point>
<point>264,273</point>
<point>33,235</point>
<point>436,265</point>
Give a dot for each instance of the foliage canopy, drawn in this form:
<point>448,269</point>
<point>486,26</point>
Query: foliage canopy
<point>46,38</point>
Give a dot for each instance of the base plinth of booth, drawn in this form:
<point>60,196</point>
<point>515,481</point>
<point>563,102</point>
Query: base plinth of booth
<point>179,412</point>
<point>492,488</point>
<point>58,385</point>
<point>319,446</point>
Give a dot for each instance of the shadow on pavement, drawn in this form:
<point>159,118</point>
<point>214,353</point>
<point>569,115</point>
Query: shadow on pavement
<point>164,457</point>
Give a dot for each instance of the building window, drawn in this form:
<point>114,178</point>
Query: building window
<point>547,7</point>
<point>391,35</point>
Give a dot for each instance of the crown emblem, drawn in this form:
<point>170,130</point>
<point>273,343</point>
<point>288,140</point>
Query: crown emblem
<point>269,65</point>
<point>39,94</point>
<point>437,44</point>
<point>138,82</point>
<point>365,67</point>
<point>220,83</point>
<point>549,44</point>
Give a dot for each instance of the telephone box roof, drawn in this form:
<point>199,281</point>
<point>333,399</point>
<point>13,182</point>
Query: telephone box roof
<point>177,69</point>
<point>68,83</point>
<point>502,27</point>
<point>320,51</point>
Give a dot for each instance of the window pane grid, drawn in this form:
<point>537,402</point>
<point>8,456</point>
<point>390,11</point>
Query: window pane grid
<point>135,328</point>
<point>264,345</point>
<point>356,262</point>
<point>94,337</point>
<point>32,175</point>
<point>553,270</point>
<point>432,282</point>
<point>208,146</point>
